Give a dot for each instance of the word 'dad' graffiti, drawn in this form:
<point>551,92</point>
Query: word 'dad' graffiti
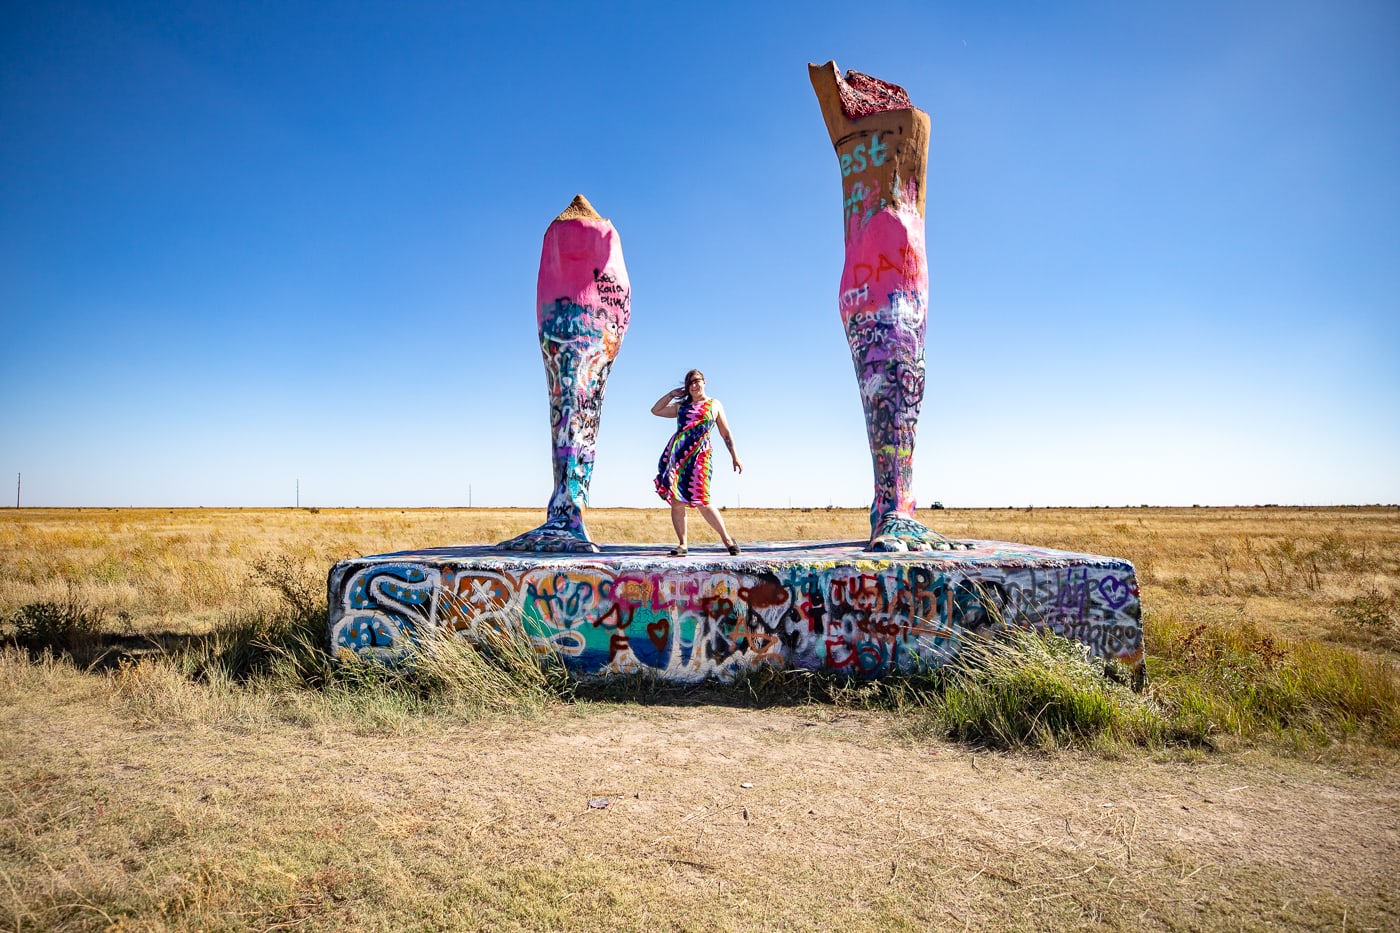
<point>820,607</point>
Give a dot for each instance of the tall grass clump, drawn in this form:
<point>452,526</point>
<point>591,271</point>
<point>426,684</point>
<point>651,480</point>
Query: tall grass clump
<point>490,669</point>
<point>1238,679</point>
<point>1371,619</point>
<point>277,656</point>
<point>301,588</point>
<point>1025,688</point>
<point>498,668</point>
<point>70,627</point>
<point>291,676</point>
<point>158,688</point>
<point>247,644</point>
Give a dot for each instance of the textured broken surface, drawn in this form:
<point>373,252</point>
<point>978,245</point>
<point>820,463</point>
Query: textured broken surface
<point>880,137</point>
<point>862,94</point>
<point>579,209</point>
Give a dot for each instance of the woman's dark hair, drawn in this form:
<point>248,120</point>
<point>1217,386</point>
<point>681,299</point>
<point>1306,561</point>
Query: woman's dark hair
<point>694,372</point>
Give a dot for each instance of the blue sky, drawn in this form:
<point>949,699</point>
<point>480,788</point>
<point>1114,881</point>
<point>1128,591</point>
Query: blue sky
<point>246,245</point>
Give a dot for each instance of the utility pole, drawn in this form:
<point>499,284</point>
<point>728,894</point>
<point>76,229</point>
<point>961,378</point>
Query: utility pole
<point>469,495</point>
<point>19,478</point>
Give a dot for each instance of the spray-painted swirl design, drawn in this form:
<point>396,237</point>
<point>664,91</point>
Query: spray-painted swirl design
<point>381,607</point>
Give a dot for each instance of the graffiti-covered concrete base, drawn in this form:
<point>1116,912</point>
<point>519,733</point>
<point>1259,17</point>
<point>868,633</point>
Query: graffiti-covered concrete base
<point>822,606</point>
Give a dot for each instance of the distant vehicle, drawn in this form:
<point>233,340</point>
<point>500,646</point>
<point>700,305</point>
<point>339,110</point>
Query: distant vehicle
<point>936,505</point>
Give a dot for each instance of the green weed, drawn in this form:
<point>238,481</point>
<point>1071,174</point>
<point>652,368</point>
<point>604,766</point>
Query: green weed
<point>1035,689</point>
<point>1240,680</point>
<point>69,628</point>
<point>1368,620</point>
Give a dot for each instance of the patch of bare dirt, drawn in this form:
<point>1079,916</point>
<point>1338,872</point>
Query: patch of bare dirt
<point>787,818</point>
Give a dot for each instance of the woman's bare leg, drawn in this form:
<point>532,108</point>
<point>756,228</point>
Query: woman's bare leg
<point>881,140</point>
<point>716,521</point>
<point>583,304</point>
<point>678,521</point>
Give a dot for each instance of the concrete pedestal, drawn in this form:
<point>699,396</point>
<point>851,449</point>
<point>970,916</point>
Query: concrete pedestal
<point>818,605</point>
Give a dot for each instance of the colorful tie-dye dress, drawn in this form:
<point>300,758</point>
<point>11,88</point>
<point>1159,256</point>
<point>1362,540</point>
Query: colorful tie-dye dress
<point>683,473</point>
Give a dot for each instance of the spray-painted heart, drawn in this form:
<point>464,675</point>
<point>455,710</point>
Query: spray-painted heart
<point>1115,591</point>
<point>660,633</point>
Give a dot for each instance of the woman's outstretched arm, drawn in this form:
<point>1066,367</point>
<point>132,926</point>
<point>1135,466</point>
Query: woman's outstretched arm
<point>722,423</point>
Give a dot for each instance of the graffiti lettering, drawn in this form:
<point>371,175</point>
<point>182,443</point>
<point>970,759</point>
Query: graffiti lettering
<point>852,297</point>
<point>855,161</point>
<point>610,292</point>
<point>817,614</point>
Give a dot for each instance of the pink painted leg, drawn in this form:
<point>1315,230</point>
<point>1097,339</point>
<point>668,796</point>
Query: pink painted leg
<point>881,140</point>
<point>583,300</point>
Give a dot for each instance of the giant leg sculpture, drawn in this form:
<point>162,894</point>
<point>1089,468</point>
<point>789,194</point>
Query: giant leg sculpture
<point>881,140</point>
<point>584,302</point>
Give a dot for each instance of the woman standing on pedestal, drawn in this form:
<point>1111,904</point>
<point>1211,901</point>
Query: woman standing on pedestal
<point>683,473</point>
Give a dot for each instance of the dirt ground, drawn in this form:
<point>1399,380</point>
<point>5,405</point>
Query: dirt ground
<point>209,811</point>
<point>668,817</point>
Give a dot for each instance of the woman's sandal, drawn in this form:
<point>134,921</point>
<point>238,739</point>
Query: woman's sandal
<point>679,551</point>
<point>733,548</point>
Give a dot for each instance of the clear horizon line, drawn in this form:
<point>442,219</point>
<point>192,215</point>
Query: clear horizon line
<point>756,508</point>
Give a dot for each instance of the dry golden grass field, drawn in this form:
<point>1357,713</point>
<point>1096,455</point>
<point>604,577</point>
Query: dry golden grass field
<point>156,779</point>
